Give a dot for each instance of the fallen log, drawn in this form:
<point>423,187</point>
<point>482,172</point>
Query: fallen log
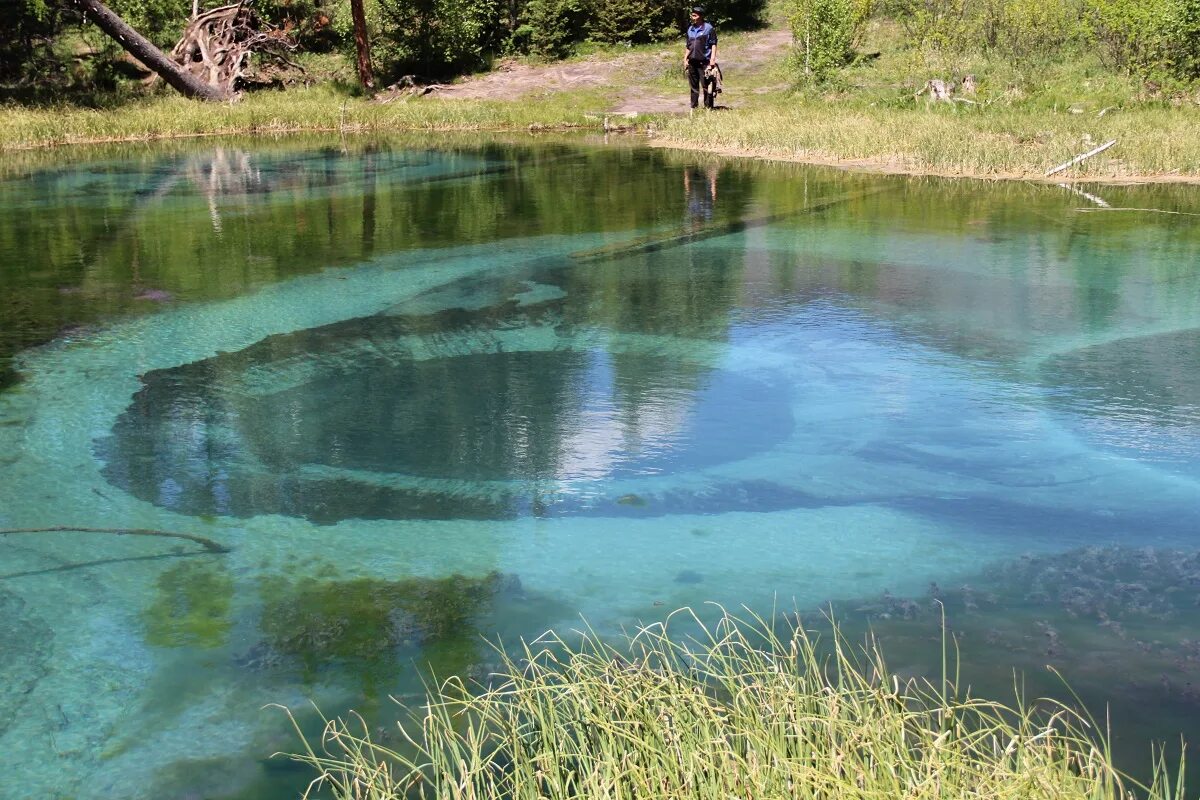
<point>1080,158</point>
<point>144,51</point>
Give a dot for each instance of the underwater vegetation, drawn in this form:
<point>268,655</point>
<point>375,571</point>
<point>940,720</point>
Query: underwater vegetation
<point>314,621</point>
<point>191,607</point>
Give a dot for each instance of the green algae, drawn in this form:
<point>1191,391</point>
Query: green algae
<point>191,607</point>
<point>369,619</point>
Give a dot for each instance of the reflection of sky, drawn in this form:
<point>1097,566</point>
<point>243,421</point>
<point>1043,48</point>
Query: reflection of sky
<point>1135,433</point>
<point>192,434</point>
<point>591,443</point>
<point>609,435</point>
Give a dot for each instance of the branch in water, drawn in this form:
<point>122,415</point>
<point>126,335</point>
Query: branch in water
<point>207,544</point>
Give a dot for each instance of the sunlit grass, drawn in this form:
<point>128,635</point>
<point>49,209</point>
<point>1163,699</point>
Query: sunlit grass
<point>978,142</point>
<point>731,710</point>
<point>1026,118</point>
<point>315,109</point>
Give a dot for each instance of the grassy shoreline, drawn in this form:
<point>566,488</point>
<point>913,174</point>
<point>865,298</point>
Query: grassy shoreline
<point>295,111</point>
<point>1153,144</point>
<point>1011,144</point>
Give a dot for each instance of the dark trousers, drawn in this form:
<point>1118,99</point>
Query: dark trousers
<point>695,72</point>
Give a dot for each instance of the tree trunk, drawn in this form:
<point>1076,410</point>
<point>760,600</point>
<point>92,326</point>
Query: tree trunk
<point>143,50</point>
<point>362,45</point>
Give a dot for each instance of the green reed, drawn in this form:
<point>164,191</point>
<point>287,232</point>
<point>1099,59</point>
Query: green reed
<point>731,709</point>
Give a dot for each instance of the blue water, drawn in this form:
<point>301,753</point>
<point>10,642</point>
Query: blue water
<point>586,386</point>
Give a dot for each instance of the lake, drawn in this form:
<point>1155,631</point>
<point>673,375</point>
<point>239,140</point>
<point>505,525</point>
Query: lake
<point>406,397</point>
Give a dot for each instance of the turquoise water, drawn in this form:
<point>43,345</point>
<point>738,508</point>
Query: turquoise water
<point>425,394</point>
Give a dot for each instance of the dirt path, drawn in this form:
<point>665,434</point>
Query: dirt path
<point>739,58</point>
<point>638,75</point>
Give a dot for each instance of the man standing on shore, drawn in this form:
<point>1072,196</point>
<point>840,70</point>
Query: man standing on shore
<point>701,52</point>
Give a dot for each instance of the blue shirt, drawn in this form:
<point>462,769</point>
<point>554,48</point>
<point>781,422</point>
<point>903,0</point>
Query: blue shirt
<point>703,29</point>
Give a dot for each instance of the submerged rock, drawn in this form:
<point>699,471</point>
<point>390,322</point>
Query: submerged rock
<point>1104,618</point>
<point>25,642</point>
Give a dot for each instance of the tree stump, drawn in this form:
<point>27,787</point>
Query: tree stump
<point>940,91</point>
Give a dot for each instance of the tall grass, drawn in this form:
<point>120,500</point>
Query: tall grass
<point>728,710</point>
<point>297,110</point>
<point>993,142</point>
<point>1027,117</point>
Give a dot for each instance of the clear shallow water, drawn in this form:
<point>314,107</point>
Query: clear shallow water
<point>426,395</point>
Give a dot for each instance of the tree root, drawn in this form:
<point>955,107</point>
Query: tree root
<point>208,544</point>
<point>217,44</point>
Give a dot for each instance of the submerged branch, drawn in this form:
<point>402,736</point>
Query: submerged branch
<point>207,544</point>
<point>1145,210</point>
<point>100,562</point>
<point>662,241</point>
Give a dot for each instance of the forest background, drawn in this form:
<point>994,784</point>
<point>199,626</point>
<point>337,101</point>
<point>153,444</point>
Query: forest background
<point>51,53</point>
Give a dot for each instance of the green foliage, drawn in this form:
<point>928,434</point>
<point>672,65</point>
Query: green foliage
<point>940,25</point>
<point>26,48</point>
<point>434,37</point>
<point>736,14</point>
<point>310,22</point>
<point>550,28</point>
<point>1154,38</point>
<point>1018,29</point>
<point>632,21</point>
<point>49,51</point>
<point>825,32</point>
<point>160,21</point>
<point>1032,29</point>
<point>1021,30</point>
